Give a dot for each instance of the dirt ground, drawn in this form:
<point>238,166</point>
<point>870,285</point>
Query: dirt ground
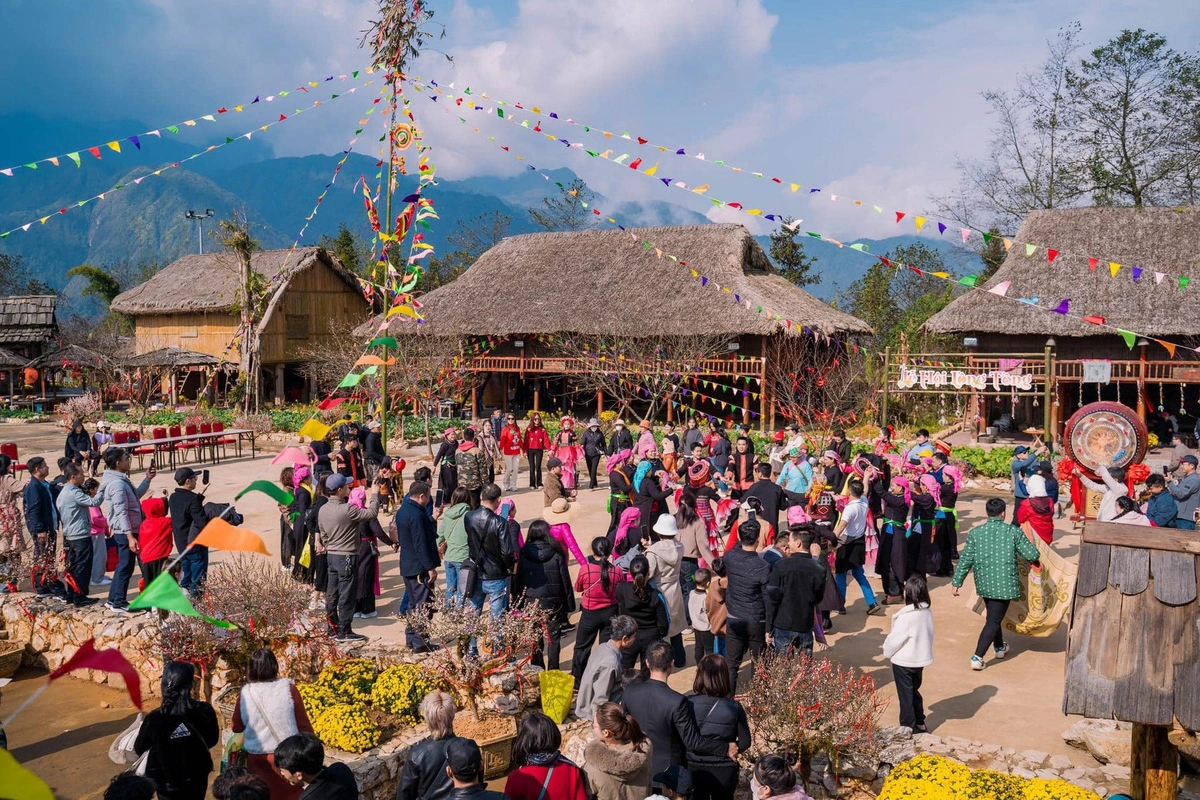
<point>1016,702</point>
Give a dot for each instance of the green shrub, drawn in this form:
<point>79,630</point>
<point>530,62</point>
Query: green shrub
<point>994,463</point>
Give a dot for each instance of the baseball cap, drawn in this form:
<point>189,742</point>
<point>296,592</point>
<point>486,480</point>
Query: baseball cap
<point>336,481</point>
<point>464,759</point>
<point>675,778</point>
<point>553,462</point>
<point>1046,465</point>
<point>1191,460</point>
<point>1020,449</point>
<point>184,474</point>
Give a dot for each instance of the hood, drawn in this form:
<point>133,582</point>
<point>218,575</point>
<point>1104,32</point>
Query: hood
<point>540,552</point>
<point>465,446</point>
<point>457,511</point>
<point>622,762</point>
<point>155,507</point>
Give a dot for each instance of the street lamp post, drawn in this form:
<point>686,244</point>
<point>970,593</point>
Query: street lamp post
<point>208,212</point>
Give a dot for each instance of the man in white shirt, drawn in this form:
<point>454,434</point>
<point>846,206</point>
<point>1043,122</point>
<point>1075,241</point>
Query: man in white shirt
<point>851,531</point>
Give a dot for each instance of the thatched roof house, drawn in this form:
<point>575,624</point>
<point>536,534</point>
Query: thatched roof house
<point>1157,240</point>
<point>27,323</point>
<point>600,282</point>
<point>190,305</point>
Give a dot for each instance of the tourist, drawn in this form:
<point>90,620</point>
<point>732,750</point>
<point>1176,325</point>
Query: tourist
<point>303,496</point>
<point>777,454</point>
<point>769,494</point>
<point>593,448</point>
<point>417,537</point>
<point>542,771</point>
<point>840,445</point>
<point>719,717</point>
<point>671,447</point>
<point>851,532</point>
<point>693,535</point>
<point>647,445</point>
<point>991,551</point>
<point>692,435</point>
<point>187,520</point>
<point>347,427</point>
<point>621,439</point>
<point>946,524</point>
<point>472,467</point>
<point>349,460</point>
<point>496,422</point>
<point>697,608</point>
<point>79,444</point>
<point>666,557</point>
<point>101,440</point>
<point>511,447</point>
<point>1023,460</point>
<point>542,578</point>
<point>373,451</point>
<point>319,558</point>
<point>600,680</point>
<point>124,518</point>
<point>774,778</point>
<point>567,450</point>
<point>714,605</point>
<point>558,515</point>
<point>1037,511</point>
<point>1046,470</point>
<point>464,768</point>
<point>796,478</point>
<point>921,448</point>
<point>452,542</point>
<point>323,453</point>
<point>596,583</point>
<point>338,537</point>
<point>795,439</point>
<point>73,507</point>
<point>641,601</point>
<point>794,590</point>
<point>237,783</point>
<point>666,716</point>
<point>1160,507</point>
<point>491,449</point>
<point>744,599</point>
<point>1111,486</point>
<point>99,529</point>
<point>617,759</point>
<point>366,568</point>
<point>909,646</point>
<point>740,472</point>
<point>536,442</point>
<point>673,783</point>
<point>268,710</point>
<point>155,537</point>
<point>923,554</point>
<point>891,562</point>
<point>300,759</point>
<point>553,488</point>
<point>178,736</point>
<point>493,549</point>
<point>128,786</point>
<point>287,478</point>
<point>753,512</point>
<point>445,461</point>
<point>719,449</point>
<point>12,529</point>
<point>41,520</point>
<point>650,492</point>
<point>620,487</point>
<point>1128,513</point>
<point>1186,491</point>
<point>424,776</point>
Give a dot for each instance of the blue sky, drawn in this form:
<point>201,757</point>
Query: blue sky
<point>870,100</point>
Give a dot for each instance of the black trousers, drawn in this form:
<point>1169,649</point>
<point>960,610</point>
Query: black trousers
<point>593,466</point>
<point>593,623</point>
<point>535,469</point>
<point>1017,507</point>
<point>645,637</point>
<point>152,569</point>
<point>687,584</point>
<point>713,781</point>
<point>419,591</point>
<point>993,630</point>
<point>547,653</point>
<point>908,693</point>
<point>287,542</point>
<point>741,636</point>
<point>79,567</point>
<point>947,540</point>
<point>340,595</point>
<point>704,644</point>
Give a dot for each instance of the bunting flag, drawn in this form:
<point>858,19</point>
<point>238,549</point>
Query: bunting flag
<point>20,783</point>
<point>314,429</point>
<point>220,535</point>
<point>1064,307</point>
<point>375,360</point>
<point>1000,288</point>
<point>330,403</point>
<point>384,341</point>
<point>107,660</point>
<point>1129,336</point>
<point>295,454</point>
<point>270,489</point>
<point>164,593</point>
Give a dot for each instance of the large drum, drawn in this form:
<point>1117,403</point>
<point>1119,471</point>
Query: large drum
<point>1105,435</point>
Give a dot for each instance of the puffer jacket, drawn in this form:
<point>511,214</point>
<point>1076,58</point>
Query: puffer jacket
<point>453,533</point>
<point>424,776</point>
<point>618,773</point>
<point>124,511</point>
<point>722,719</point>
<point>74,510</point>
<point>542,575</point>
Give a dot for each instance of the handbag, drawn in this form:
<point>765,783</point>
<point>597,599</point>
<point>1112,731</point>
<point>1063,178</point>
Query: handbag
<point>121,750</point>
<point>468,578</point>
<point>306,555</point>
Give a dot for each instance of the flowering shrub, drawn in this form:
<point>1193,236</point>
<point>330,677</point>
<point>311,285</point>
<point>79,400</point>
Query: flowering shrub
<point>351,679</point>
<point>316,698</point>
<point>399,691</point>
<point>347,727</point>
<point>1041,789</point>
<point>940,772</point>
<point>85,407</point>
<point>928,777</point>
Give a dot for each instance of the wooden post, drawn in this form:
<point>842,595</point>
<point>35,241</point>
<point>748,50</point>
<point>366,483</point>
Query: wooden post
<point>1141,383</point>
<point>1153,771</point>
<point>1047,400</point>
<point>670,411</point>
<point>746,407</point>
<point>883,403</point>
<point>762,395</point>
<point>599,403</point>
<point>474,400</point>
<point>537,396</point>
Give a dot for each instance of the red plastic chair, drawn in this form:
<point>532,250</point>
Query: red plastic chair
<point>224,441</point>
<point>121,437</point>
<point>10,449</point>
<point>189,430</point>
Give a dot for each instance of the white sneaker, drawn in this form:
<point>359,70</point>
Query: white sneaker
<point>357,615</point>
<point>102,582</point>
<point>1001,652</point>
<point>977,663</point>
<point>370,615</point>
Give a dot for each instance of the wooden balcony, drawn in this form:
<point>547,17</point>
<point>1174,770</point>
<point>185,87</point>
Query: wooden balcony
<point>746,365</point>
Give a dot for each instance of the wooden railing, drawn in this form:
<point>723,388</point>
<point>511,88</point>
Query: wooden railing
<point>1126,371</point>
<point>747,365</point>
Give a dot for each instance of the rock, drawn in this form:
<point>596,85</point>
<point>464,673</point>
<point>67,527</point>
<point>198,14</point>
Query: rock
<point>896,732</point>
<point>897,752</point>
<point>1074,774</point>
<point>959,743</point>
<point>1115,772</point>
<point>996,765</point>
<point>924,740</point>
<point>106,704</point>
<point>1105,739</point>
<point>1033,758</point>
<point>1021,772</point>
<point>1047,774</point>
<point>1061,762</point>
<point>989,749</point>
<point>858,768</point>
<point>507,704</point>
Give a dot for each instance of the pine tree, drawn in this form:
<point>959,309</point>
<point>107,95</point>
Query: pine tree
<point>569,210</point>
<point>348,247</point>
<point>787,252</point>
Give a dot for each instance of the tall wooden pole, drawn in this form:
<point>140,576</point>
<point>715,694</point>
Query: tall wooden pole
<point>1155,764</point>
<point>883,405</point>
<point>387,228</point>
<point>1047,400</point>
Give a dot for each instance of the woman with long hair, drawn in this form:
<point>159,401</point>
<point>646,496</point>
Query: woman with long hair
<point>537,442</point>
<point>567,450</point>
<point>620,488</point>
<point>666,559</point>
<point>693,536</point>
<point>719,717</point>
<point>617,759</point>
<point>268,710</point>
<point>542,772</point>
<point>773,777</point>
<point>178,736</point>
<point>446,463</point>
<point>320,561</point>
<point>597,584</point>
<point>638,599</point>
<point>286,478</point>
<point>543,578</point>
<point>12,526</point>
<point>452,541</point>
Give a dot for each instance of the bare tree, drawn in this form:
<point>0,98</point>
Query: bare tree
<point>249,304</point>
<point>328,359</point>
<point>816,385</point>
<point>428,369</point>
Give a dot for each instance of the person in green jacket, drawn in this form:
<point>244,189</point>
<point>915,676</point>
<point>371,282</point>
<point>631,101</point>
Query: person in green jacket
<point>991,551</point>
<point>452,540</point>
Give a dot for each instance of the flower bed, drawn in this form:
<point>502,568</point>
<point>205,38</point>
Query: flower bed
<point>928,777</point>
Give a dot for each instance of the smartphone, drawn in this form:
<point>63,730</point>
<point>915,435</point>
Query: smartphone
<point>204,477</point>
<point>1166,469</point>
<point>152,463</point>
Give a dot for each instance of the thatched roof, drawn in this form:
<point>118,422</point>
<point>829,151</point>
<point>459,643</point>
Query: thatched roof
<point>10,359</point>
<point>70,356</point>
<point>27,319</point>
<point>172,357</point>
<point>600,282</point>
<point>1155,239</point>
<point>209,282</point>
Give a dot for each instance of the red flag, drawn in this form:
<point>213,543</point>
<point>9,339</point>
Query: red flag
<point>899,216</point>
<point>637,162</point>
<point>110,660</point>
<point>1093,263</point>
<point>331,402</point>
<point>1095,319</point>
<point>1051,255</point>
<point>94,151</point>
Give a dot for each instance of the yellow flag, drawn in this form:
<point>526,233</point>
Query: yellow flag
<point>920,223</point>
<point>652,170</point>
<point>114,146</point>
<point>942,275</point>
<point>795,186</point>
<point>1113,268</point>
<point>756,212</point>
<point>403,310</point>
<point>315,430</point>
<point>20,783</point>
<point>701,189</point>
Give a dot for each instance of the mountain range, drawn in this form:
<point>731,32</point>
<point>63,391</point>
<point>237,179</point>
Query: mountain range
<point>146,224</point>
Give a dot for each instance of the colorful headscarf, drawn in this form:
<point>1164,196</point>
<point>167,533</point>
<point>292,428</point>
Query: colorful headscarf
<point>617,459</point>
<point>903,481</point>
<point>643,469</point>
<point>955,475</point>
<point>358,497</point>
<point>630,518</point>
<point>933,487</point>
<point>299,473</point>
<point>510,504</point>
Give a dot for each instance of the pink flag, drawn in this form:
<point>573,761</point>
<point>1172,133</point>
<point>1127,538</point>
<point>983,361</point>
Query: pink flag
<point>292,454</point>
<point>1001,288</point>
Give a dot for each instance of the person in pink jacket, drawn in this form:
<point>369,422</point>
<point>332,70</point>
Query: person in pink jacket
<point>100,533</point>
<point>560,529</point>
<point>646,445</point>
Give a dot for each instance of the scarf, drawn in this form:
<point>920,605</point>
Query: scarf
<point>541,759</point>
<point>643,469</point>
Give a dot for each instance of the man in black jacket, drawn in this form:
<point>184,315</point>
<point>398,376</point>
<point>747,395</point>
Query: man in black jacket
<point>796,587</point>
<point>187,520</point>
<point>666,717</point>
<point>41,520</point>
<point>416,534</point>
<point>769,494</point>
<point>491,550</point>
<point>746,625</point>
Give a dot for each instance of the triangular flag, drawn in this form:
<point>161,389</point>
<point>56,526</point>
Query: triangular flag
<point>987,237</point>
<point>136,142</point>
<point>1030,249</point>
<point>350,381</point>
<point>1158,277</point>
<point>966,233</point>
<point>1093,263</point>
<point>164,593</point>
<point>941,226</point>
<point>270,489</point>
<point>920,223</point>
<point>1137,273</point>
<point>385,341</point>
<point>899,216</point>
<point>1129,336</point>
<point>1051,255</point>
<point>1008,245</point>
<point>1000,288</point>
<point>74,157</point>
<point>1183,282</point>
<point>94,151</point>
<point>1170,347</point>
<point>20,783</point>
<point>968,280</point>
<point>293,454</point>
<point>1095,319</point>
<point>1063,307</point>
<point>114,146</point>
<point>1113,268</point>
<point>221,535</point>
<point>373,359</point>
<point>314,429</point>
<point>107,660</point>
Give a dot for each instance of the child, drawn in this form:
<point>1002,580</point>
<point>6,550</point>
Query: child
<point>697,608</point>
<point>154,538</point>
<point>99,537</point>
<point>714,605</point>
<point>910,648</point>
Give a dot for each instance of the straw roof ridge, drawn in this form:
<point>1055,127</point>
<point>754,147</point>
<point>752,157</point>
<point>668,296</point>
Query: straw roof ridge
<point>209,282</point>
<point>1162,240</point>
<point>598,282</point>
<point>72,355</point>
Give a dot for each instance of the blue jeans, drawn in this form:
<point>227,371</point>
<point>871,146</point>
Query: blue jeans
<point>195,570</point>
<point>451,580</point>
<point>800,640</point>
<point>496,594</point>
<point>861,579</point>
<point>1185,524</point>
<point>719,645</point>
<point>124,571</point>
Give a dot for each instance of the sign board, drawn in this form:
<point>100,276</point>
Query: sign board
<point>554,365</point>
<point>1186,374</point>
<point>911,378</point>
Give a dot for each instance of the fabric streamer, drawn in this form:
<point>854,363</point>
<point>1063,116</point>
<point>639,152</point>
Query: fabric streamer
<point>164,593</point>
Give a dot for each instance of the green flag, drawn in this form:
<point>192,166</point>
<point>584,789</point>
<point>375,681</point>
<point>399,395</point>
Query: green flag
<point>1129,336</point>
<point>385,341</point>
<point>1183,282</point>
<point>350,380</point>
<point>270,489</point>
<point>164,593</point>
<point>968,280</point>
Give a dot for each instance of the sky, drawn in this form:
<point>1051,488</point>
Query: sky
<point>869,100</point>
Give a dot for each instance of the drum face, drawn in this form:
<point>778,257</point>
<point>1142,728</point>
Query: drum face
<point>1105,435</point>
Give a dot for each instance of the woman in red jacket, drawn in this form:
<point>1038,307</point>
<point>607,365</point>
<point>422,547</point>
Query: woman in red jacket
<point>1038,511</point>
<point>537,440</point>
<point>544,772</point>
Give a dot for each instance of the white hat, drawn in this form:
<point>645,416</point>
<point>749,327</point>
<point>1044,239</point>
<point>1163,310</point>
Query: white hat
<point>620,423</point>
<point>101,425</point>
<point>1036,486</point>
<point>665,526</point>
